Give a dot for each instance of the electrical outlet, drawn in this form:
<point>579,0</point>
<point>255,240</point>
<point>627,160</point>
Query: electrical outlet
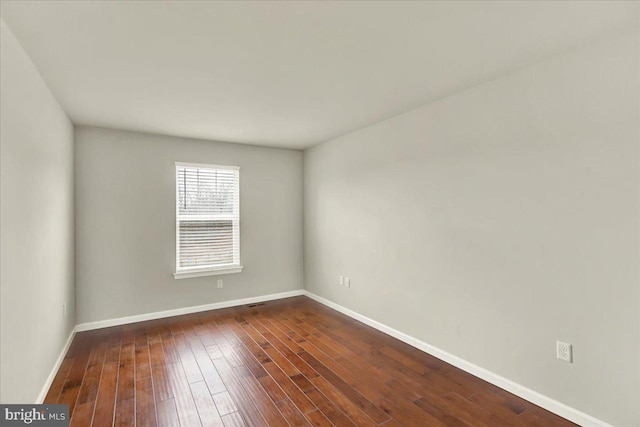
<point>564,351</point>
<point>220,284</point>
<point>347,282</point>
<point>341,279</point>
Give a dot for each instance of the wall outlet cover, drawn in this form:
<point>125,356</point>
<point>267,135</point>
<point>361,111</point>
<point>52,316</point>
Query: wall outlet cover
<point>564,351</point>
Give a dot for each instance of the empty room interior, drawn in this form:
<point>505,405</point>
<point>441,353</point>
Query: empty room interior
<point>344,213</point>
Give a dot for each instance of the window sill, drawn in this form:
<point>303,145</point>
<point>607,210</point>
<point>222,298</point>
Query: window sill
<point>185,274</point>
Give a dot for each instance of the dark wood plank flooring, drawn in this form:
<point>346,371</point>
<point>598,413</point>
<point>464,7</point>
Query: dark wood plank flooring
<point>288,362</point>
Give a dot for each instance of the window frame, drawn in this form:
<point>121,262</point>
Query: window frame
<point>209,270</point>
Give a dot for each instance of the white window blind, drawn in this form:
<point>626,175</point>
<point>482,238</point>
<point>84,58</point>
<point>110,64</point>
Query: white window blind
<point>207,218</point>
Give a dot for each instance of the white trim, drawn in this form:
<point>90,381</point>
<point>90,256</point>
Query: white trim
<point>236,224</point>
<point>56,367</point>
<point>185,274</point>
<point>545,402</point>
<point>187,310</point>
<point>205,165</point>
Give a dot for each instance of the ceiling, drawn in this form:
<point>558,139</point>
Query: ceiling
<point>286,74</point>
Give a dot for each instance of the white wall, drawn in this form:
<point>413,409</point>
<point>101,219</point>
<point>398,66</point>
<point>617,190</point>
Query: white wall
<point>494,222</point>
<point>125,223</point>
<point>36,226</point>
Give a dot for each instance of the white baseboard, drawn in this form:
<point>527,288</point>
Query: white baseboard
<point>187,310</point>
<point>532,396</point>
<point>54,370</point>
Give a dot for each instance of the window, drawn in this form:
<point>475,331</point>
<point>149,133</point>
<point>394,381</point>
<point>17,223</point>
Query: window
<point>207,220</point>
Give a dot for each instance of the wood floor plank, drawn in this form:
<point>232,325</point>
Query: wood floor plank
<point>253,363</point>
<point>142,360</point>
<point>161,387</point>
<point>260,398</point>
<point>126,372</point>
<point>233,420</point>
<point>231,353</point>
<point>125,413</point>
<point>204,334</point>
<point>83,415</point>
<point>283,333</point>
<point>531,419</point>
<point>156,353</point>
<point>392,423</point>
<point>207,369</point>
<point>282,362</point>
<point>114,344</point>
<point>188,360</point>
<point>317,418</point>
<point>502,405</point>
<point>331,411</point>
<point>272,388</point>
<point>169,348</point>
<point>403,410</point>
<point>214,351</point>
<point>292,414</point>
<point>535,412</point>
<point>409,362</point>
<point>224,403</point>
<point>357,416</point>
<point>290,362</point>
<point>207,411</point>
<point>185,405</point>
<point>443,412</point>
<point>105,402</point>
<point>351,393</point>
<point>167,414</point>
<point>71,388</point>
<point>58,382</point>
<point>289,387</point>
<point>254,334</point>
<point>385,401</point>
<point>408,414</point>
<point>89,388</point>
<point>290,356</point>
<point>145,403</point>
<point>245,405</point>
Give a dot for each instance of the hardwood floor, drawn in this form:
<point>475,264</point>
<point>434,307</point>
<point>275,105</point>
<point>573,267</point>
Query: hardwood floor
<point>288,362</point>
